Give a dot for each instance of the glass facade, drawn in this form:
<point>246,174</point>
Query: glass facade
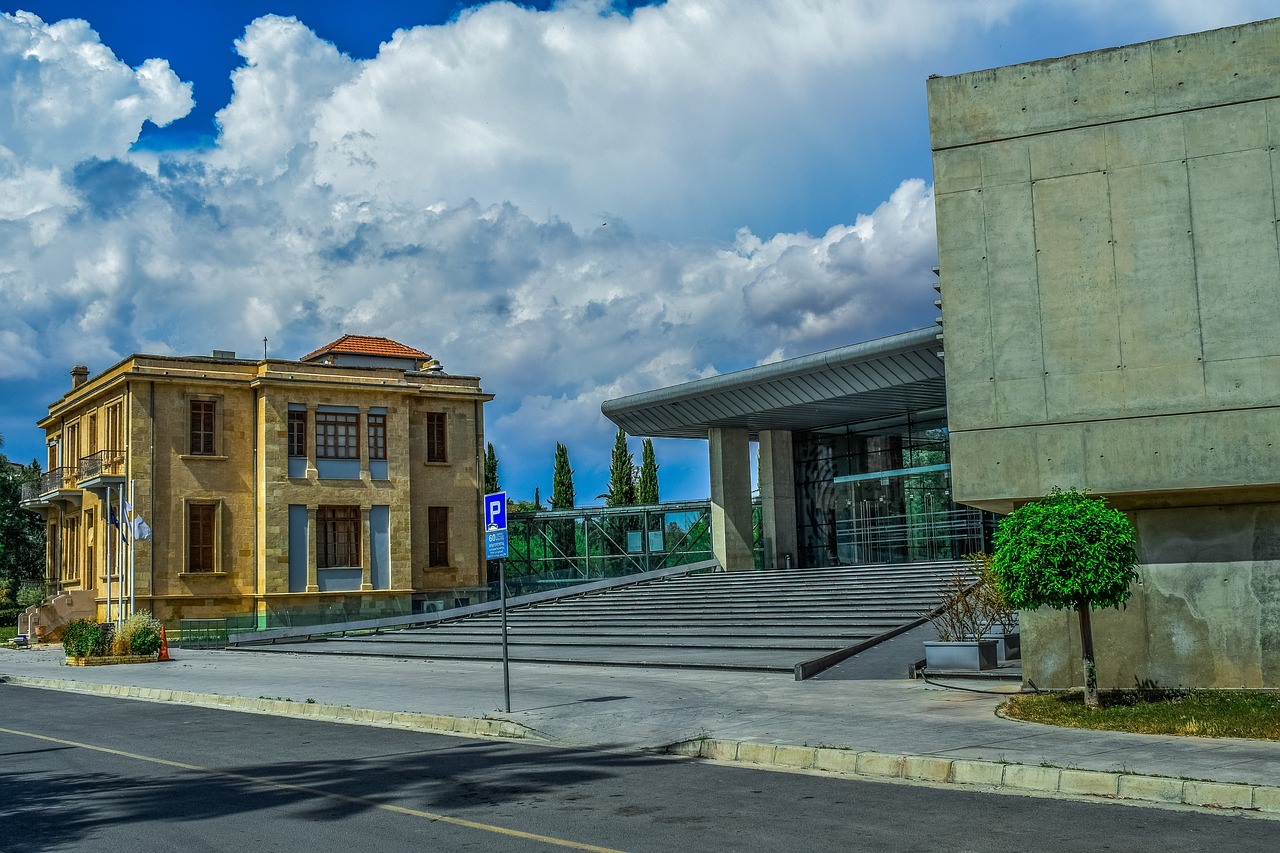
<point>880,492</point>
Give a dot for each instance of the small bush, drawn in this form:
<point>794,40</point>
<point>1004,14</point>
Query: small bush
<point>138,631</point>
<point>9,616</point>
<point>86,638</point>
<point>29,594</point>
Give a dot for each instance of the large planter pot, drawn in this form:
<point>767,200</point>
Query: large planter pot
<point>1008,646</point>
<point>960,655</point>
<point>111,659</point>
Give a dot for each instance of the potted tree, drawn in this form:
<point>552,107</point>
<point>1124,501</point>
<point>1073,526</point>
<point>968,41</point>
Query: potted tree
<point>962,622</point>
<point>1000,615</point>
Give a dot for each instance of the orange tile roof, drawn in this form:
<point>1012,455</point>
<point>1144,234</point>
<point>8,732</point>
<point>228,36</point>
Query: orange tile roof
<point>367,345</point>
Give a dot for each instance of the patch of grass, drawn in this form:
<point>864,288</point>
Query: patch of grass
<point>8,633</point>
<point>1203,713</point>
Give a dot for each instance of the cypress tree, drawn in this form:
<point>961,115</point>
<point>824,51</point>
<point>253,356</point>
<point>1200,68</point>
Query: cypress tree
<point>647,488</point>
<point>491,471</point>
<point>622,482</point>
<point>562,496</point>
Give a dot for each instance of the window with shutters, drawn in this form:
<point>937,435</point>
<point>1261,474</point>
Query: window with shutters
<point>377,436</point>
<point>337,537</point>
<point>204,422</point>
<point>436,437</point>
<point>297,433</point>
<point>202,521</point>
<point>437,536</point>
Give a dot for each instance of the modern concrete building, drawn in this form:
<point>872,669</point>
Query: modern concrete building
<point>1110,267</point>
<point>1110,270</point>
<point>348,481</point>
<point>853,455</point>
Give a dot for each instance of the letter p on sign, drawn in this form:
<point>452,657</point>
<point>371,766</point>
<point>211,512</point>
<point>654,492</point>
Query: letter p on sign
<point>495,511</point>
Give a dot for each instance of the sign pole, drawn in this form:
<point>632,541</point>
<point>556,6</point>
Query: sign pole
<point>506,663</point>
<point>495,550</point>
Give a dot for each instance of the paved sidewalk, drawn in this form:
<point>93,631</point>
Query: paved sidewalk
<point>897,728</point>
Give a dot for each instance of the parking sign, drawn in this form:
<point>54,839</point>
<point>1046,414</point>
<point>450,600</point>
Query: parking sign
<point>495,511</point>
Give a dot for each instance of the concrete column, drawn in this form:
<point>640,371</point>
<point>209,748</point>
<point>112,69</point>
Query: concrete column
<point>778,498</point>
<point>731,498</point>
<point>366,548</point>
<point>313,581</point>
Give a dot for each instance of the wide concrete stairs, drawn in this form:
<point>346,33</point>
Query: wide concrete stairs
<point>765,621</point>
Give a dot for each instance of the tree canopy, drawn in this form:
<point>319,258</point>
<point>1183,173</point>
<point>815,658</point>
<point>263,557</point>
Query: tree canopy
<point>22,536</point>
<point>647,487</point>
<point>562,495</point>
<point>1063,551</point>
<point>622,478</point>
<point>1067,551</point>
<point>491,470</point>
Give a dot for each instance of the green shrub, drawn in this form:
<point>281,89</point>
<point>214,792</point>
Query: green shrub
<point>146,641</point>
<point>9,616</point>
<point>140,622</point>
<point>86,638</point>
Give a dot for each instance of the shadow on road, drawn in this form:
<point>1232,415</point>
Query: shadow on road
<point>52,810</point>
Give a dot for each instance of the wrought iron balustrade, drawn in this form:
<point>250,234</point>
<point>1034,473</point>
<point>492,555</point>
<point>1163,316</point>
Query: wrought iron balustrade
<point>104,463</point>
<point>56,479</point>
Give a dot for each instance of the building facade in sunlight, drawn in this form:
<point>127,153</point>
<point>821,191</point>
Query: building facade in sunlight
<point>345,483</point>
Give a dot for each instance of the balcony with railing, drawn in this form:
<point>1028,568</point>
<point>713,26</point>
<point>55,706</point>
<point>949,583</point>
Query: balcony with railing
<point>54,486</point>
<point>101,470</point>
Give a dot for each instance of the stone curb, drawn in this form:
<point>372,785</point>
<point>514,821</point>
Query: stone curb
<point>993,774</point>
<point>435,723</point>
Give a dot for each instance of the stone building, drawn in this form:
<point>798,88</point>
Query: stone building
<point>1110,270</point>
<point>345,483</point>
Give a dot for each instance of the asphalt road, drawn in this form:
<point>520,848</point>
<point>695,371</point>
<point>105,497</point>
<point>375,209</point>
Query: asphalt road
<point>89,773</point>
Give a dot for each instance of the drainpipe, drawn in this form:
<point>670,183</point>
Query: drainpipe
<point>151,414</point>
<point>482,578</point>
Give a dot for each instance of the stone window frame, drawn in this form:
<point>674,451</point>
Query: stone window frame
<point>209,513</point>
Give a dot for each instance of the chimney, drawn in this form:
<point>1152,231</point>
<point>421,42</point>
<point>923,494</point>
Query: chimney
<point>79,376</point>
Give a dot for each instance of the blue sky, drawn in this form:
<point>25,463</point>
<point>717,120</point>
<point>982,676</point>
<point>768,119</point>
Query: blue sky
<point>573,201</point>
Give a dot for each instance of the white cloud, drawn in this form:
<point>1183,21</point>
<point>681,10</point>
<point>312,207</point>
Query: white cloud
<point>573,204</point>
<point>66,97</point>
<point>288,75</point>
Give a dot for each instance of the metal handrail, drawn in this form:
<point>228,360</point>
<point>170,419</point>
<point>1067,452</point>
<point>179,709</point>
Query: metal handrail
<point>58,478</point>
<point>108,463</point>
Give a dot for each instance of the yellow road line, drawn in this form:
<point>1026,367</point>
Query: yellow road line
<point>442,818</point>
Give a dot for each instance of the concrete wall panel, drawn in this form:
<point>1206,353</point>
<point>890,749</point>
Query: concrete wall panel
<point>1237,262</point>
<point>1076,273</point>
<point>1148,204</point>
<point>1014,294</point>
<point>1070,152</point>
<point>957,170</point>
<point>1242,382</point>
<point>1226,130</point>
<point>1144,141</point>
<point>1230,65</point>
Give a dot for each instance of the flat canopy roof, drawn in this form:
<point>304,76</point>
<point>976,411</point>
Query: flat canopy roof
<point>861,382</point>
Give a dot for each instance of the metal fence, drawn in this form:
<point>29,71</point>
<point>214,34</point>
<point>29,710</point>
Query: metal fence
<point>556,548</point>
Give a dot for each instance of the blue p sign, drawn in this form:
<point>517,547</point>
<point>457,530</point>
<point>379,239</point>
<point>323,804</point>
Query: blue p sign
<point>495,511</point>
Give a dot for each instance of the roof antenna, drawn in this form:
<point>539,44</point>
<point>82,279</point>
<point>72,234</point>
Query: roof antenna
<point>264,347</point>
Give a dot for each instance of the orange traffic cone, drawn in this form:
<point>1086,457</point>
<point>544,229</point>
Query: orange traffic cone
<point>164,646</point>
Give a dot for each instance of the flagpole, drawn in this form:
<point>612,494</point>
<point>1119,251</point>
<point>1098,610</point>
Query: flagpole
<point>133,497</point>
<point>120,563</point>
<point>110,541</point>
